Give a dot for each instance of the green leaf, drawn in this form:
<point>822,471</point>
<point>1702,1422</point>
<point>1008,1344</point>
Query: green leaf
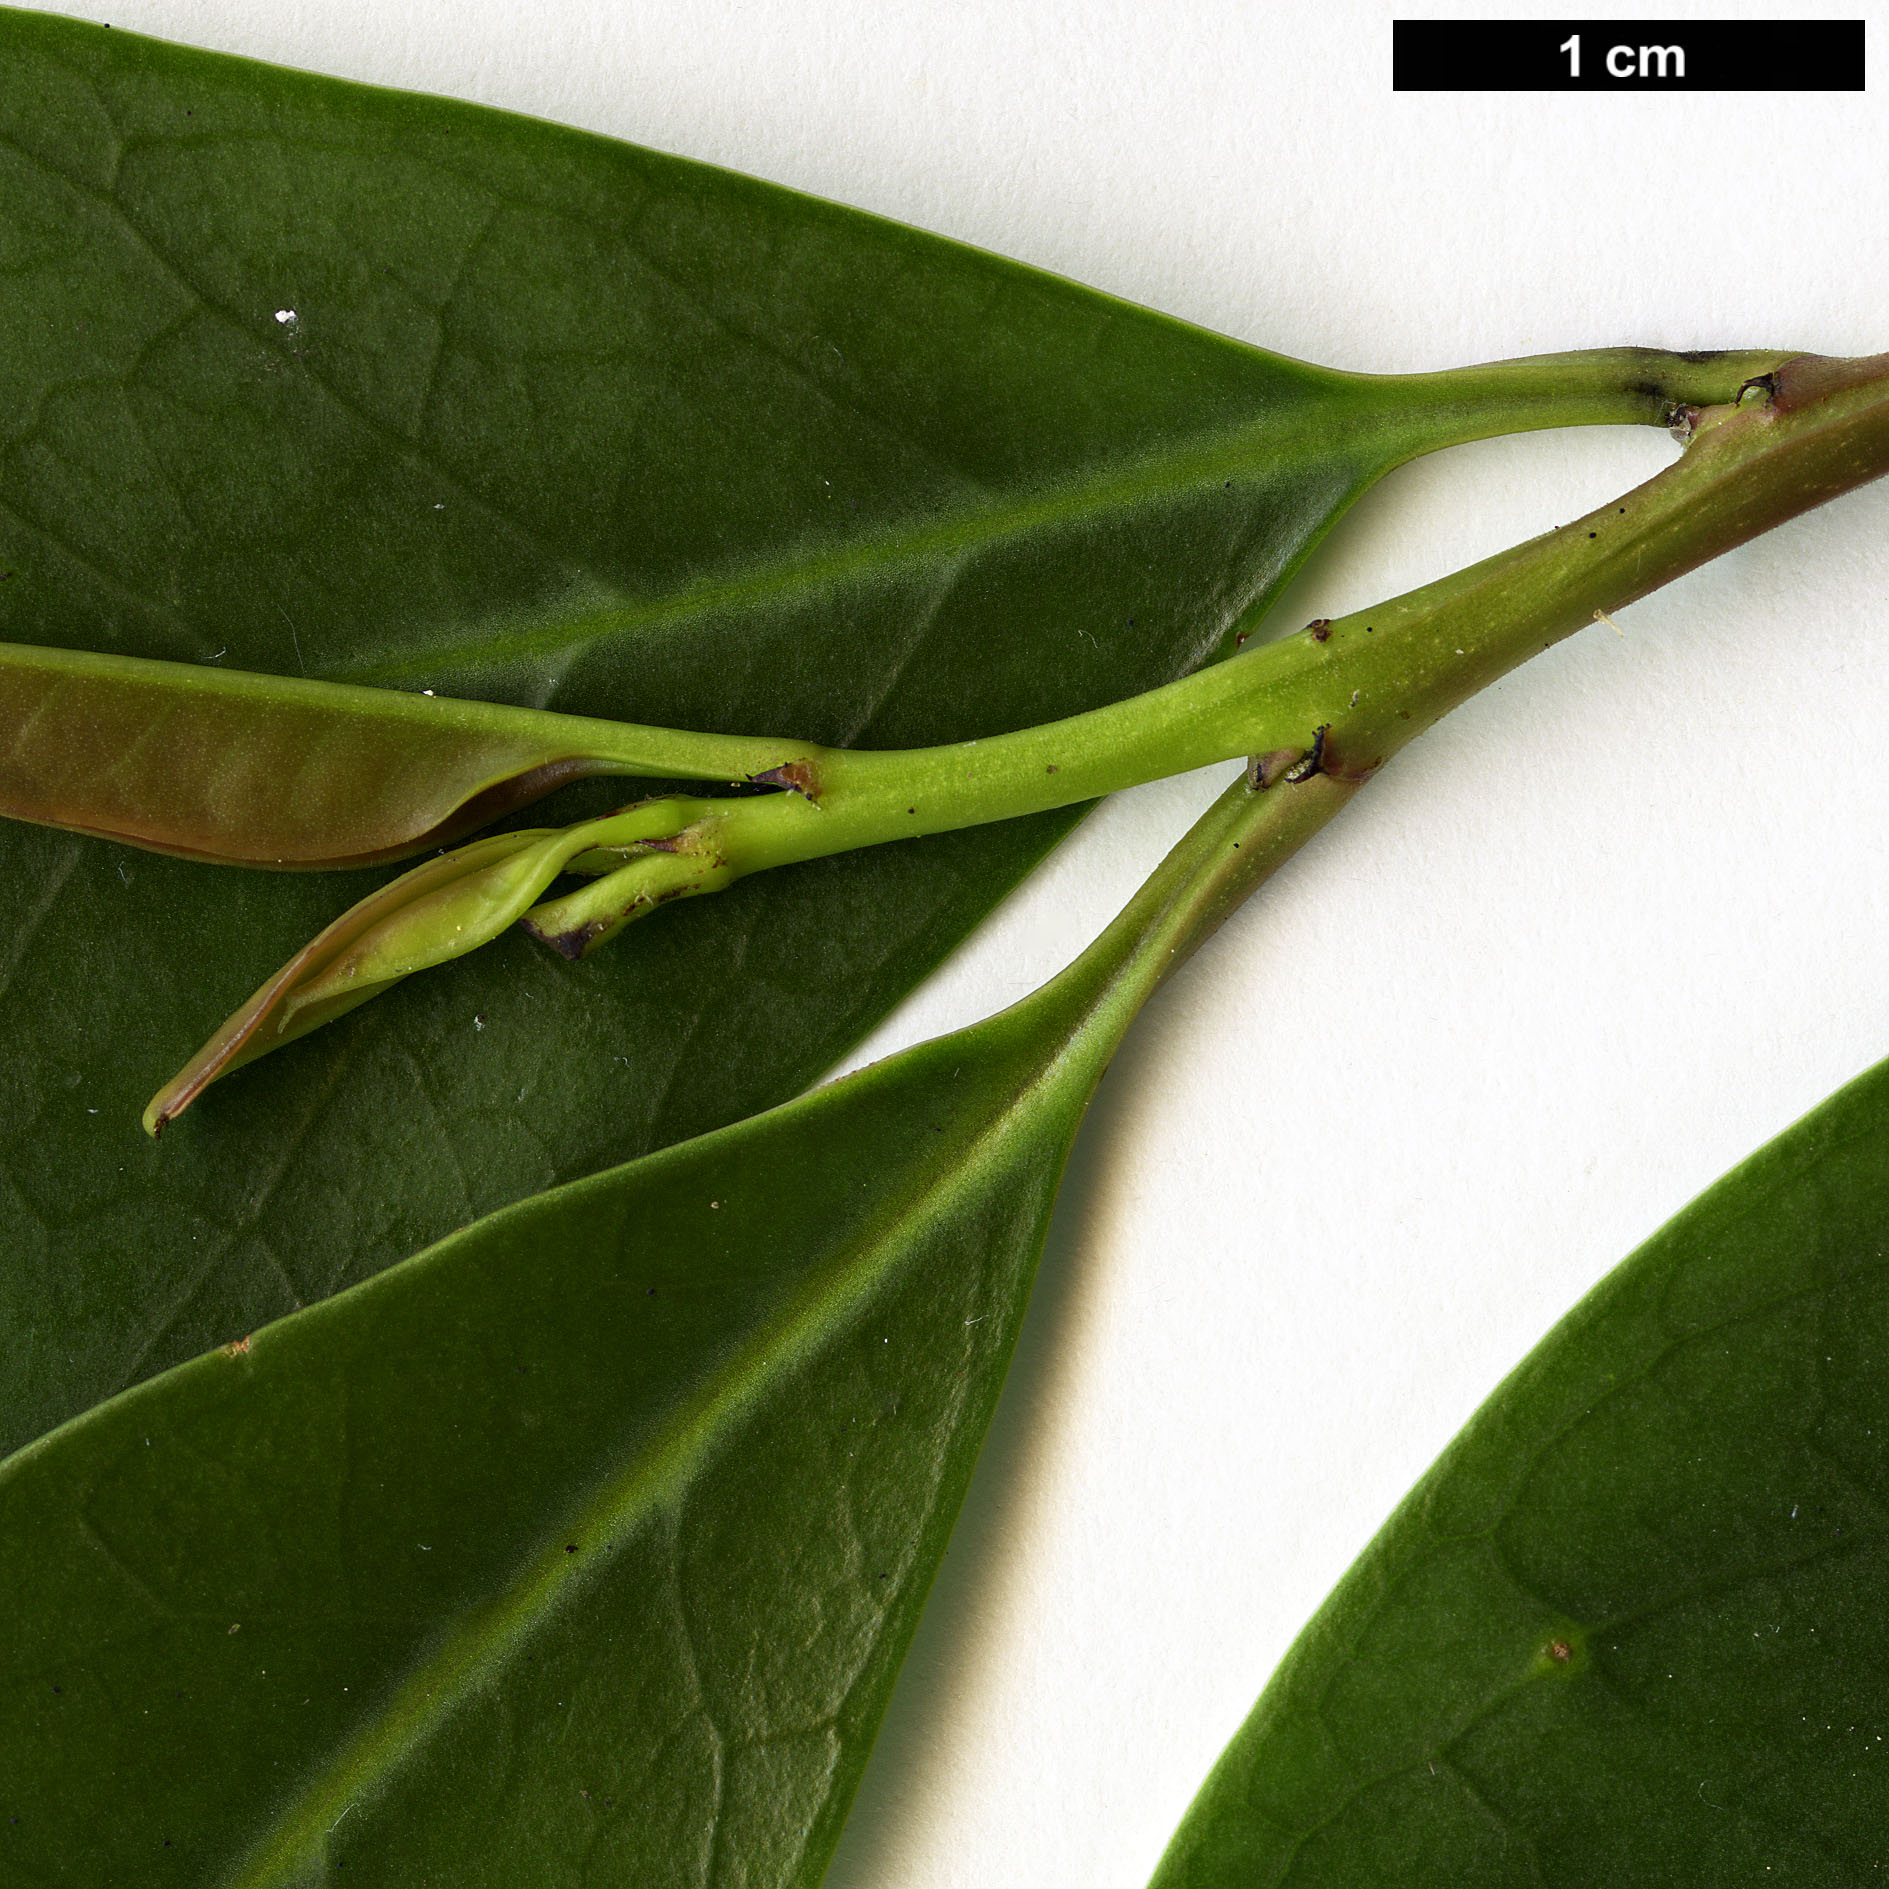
<point>307,378</point>
<point>1630,1628</point>
<point>585,1545</point>
<point>279,771</point>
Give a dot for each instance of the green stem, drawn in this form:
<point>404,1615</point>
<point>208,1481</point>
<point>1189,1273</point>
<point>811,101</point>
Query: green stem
<point>1338,697</point>
<point>1597,387</point>
<point>1240,841</point>
<point>292,773</point>
<point>1249,832</point>
<point>1319,712</point>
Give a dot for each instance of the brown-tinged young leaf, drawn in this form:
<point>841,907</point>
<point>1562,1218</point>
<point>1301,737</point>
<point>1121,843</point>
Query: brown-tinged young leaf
<point>277,771</point>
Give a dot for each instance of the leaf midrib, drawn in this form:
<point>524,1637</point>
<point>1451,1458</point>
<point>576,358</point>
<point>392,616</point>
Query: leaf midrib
<point>490,1632</point>
<point>895,549</point>
<point>1087,495</point>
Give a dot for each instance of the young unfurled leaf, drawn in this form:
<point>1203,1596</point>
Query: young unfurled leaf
<point>425,916</point>
<point>584,1546</point>
<point>1630,1628</point>
<point>428,916</point>
<point>561,422</point>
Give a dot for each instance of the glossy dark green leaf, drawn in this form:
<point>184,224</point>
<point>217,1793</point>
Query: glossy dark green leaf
<point>584,1546</point>
<point>303,377</point>
<point>1630,1629</point>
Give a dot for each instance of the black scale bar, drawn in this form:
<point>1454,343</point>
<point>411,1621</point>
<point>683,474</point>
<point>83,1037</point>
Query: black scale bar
<point>1627,55</point>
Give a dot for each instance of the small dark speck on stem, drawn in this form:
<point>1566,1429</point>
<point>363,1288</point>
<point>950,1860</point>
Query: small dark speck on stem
<point>1319,629</point>
<point>1051,768</point>
<point>1593,534</point>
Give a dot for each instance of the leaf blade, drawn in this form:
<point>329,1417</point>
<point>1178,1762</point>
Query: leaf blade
<point>278,771</point>
<point>638,1485</point>
<point>1632,1616</point>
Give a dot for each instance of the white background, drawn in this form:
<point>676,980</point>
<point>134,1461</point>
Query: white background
<point>1614,925</point>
